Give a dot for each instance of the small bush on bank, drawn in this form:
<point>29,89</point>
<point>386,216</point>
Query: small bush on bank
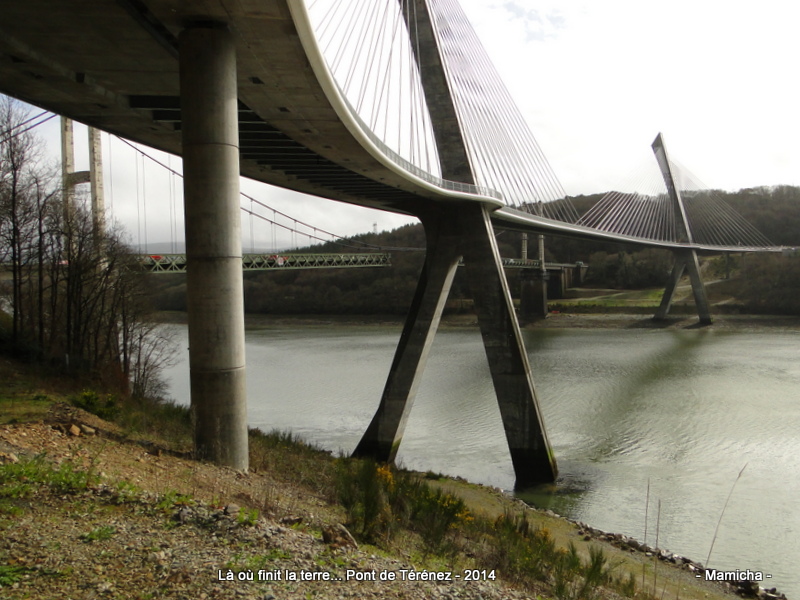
<point>104,406</point>
<point>381,500</point>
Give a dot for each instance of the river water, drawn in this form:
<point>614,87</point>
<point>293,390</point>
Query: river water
<point>677,412</point>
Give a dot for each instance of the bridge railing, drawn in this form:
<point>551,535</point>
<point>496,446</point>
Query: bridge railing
<point>415,170</point>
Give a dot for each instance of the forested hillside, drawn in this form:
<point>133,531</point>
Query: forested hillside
<point>763,283</point>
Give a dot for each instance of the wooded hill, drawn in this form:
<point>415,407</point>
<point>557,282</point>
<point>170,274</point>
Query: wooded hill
<point>761,283</point>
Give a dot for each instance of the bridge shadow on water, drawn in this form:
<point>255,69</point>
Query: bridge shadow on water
<point>611,416</point>
<point>677,322</point>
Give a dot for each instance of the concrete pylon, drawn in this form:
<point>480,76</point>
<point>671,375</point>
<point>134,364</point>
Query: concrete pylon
<point>385,432</point>
<point>531,453</point>
<point>454,231</point>
<point>67,168</point>
<point>214,286</point>
<point>685,260</point>
<point>453,157</point>
<point>533,295</point>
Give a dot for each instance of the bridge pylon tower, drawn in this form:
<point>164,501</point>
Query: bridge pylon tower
<point>685,259</point>
<point>454,231</point>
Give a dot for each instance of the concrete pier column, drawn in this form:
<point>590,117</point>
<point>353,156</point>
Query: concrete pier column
<point>533,295</point>
<point>385,432</point>
<point>214,290</point>
<point>531,453</point>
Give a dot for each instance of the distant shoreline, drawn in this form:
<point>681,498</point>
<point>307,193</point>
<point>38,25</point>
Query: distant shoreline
<point>743,323</point>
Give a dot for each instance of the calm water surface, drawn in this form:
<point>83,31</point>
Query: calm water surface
<point>680,411</point>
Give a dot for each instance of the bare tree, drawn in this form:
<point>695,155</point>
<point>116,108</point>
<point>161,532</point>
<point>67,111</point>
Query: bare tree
<point>74,296</point>
<point>22,190</point>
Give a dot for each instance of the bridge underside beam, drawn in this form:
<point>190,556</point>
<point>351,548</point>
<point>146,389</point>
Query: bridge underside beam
<point>686,260</point>
<point>452,232</point>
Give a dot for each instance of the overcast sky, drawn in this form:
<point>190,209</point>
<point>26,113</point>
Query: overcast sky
<point>597,80</point>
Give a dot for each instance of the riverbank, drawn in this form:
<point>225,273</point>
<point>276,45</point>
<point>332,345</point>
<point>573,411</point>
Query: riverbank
<point>110,513</point>
<point>744,323</point>
<point>555,320</point>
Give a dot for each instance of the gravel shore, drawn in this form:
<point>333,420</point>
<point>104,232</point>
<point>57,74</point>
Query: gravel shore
<point>188,530</point>
<point>157,525</point>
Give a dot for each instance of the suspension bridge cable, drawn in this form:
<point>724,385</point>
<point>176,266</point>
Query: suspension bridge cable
<point>144,201</point>
<point>355,243</point>
<point>25,122</point>
<point>138,205</point>
<point>11,136</point>
<point>20,124</point>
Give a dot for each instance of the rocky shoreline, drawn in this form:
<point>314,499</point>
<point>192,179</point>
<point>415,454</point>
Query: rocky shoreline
<point>737,582</point>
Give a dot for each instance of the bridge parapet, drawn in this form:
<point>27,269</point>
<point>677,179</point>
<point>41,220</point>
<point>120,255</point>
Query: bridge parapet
<point>407,165</point>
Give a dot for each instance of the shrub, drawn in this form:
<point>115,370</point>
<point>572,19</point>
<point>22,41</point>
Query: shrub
<point>104,407</point>
<point>379,500</point>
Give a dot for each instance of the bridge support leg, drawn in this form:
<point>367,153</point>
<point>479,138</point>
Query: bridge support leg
<point>383,436</point>
<point>455,231</point>
<point>686,260</point>
<point>214,288</point>
<point>531,453</point>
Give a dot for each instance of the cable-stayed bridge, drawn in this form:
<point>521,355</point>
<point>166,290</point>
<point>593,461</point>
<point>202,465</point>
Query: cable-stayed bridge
<point>392,105</point>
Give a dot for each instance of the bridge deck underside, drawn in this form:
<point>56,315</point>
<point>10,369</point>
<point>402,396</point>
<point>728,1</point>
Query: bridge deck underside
<point>113,64</point>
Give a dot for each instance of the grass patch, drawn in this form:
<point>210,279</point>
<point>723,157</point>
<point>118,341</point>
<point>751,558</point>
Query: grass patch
<point>290,459</point>
<point>163,422</point>
<point>11,574</point>
<point>172,499</point>
<point>99,534</point>
<point>29,389</point>
<point>19,480</point>
<point>401,512</point>
<point>23,406</point>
